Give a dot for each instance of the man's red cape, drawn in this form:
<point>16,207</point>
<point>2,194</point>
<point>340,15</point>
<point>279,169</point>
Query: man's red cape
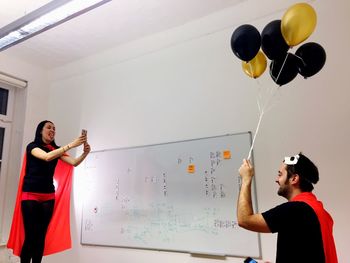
<point>58,234</point>
<point>326,223</point>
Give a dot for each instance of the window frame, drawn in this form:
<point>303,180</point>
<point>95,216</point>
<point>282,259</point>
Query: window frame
<point>10,103</point>
<point>6,122</point>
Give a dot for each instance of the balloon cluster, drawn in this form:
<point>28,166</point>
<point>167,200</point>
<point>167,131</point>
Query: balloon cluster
<point>277,37</point>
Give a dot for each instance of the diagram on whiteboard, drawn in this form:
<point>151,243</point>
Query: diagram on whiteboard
<point>178,196</point>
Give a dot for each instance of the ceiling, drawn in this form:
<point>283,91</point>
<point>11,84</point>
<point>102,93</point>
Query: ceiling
<point>114,23</point>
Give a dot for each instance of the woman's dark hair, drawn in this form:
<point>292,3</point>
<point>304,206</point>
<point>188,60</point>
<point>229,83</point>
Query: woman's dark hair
<point>307,171</point>
<point>38,134</point>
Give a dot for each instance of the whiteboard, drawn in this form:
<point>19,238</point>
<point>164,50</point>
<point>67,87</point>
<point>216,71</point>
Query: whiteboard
<point>178,196</point>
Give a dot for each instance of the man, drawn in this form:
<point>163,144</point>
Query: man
<point>304,227</point>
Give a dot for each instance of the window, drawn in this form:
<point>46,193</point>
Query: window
<point>4,94</point>
<point>2,135</point>
<point>7,94</point>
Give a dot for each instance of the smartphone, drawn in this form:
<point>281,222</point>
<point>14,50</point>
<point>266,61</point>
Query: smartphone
<point>250,260</point>
<point>83,132</point>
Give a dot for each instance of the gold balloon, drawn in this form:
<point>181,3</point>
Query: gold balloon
<point>298,23</point>
<point>255,67</point>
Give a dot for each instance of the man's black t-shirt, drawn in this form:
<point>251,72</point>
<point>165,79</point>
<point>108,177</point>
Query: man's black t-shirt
<point>299,233</point>
<point>39,173</point>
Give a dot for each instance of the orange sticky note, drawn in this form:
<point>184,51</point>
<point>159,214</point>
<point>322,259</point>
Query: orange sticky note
<point>191,168</point>
<point>227,154</point>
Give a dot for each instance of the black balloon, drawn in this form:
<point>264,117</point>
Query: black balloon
<point>312,59</point>
<point>284,70</point>
<point>245,42</point>
<point>272,41</point>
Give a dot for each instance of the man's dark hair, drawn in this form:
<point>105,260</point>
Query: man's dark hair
<point>307,171</point>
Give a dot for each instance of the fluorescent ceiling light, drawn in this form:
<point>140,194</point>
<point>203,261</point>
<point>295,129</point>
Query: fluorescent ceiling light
<point>44,18</point>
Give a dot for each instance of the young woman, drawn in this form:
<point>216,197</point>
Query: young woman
<point>36,200</point>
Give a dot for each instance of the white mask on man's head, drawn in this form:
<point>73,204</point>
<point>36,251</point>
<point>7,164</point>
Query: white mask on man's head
<point>291,160</point>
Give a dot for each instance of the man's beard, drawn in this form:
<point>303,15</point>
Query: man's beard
<point>284,190</point>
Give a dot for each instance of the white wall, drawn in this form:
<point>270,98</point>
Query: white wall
<point>31,106</point>
<point>186,83</point>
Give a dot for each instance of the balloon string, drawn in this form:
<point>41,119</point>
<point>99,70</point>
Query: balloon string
<point>256,132</point>
<point>300,59</point>
<point>268,105</point>
<point>259,99</point>
<point>264,106</point>
<point>272,96</point>
<point>279,73</point>
<point>251,68</point>
<point>257,102</point>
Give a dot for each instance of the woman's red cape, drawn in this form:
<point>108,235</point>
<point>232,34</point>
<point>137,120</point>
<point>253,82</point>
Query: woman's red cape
<point>326,223</point>
<point>58,234</point>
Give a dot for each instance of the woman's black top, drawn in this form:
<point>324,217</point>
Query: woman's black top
<point>39,173</point>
